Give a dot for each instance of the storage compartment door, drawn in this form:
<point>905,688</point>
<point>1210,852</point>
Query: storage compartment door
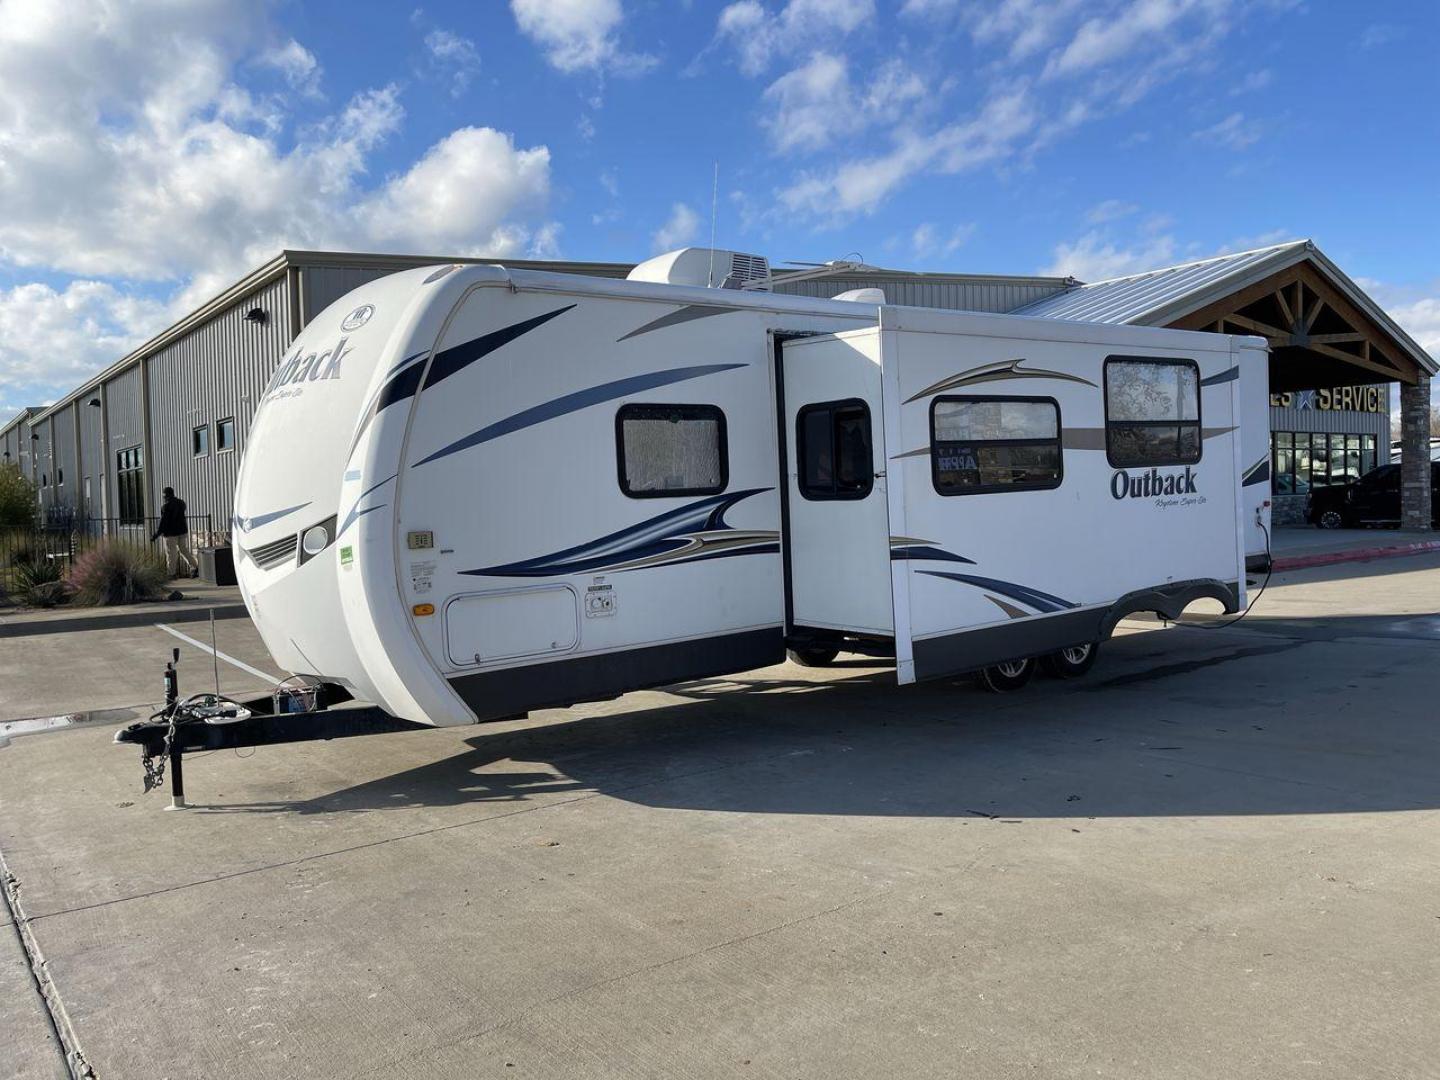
<point>484,627</point>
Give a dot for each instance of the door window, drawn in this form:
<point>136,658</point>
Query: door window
<point>833,448</point>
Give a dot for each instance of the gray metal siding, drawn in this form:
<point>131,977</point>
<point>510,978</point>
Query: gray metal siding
<point>218,370</point>
<point>997,297</point>
<point>92,461</point>
<point>126,420</point>
<point>62,426</point>
<point>321,286</point>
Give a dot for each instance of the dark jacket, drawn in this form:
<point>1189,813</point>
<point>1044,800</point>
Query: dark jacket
<point>172,519</point>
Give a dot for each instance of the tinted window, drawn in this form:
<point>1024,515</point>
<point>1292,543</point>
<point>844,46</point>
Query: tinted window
<point>833,448</point>
<point>1152,412</point>
<point>994,444</point>
<point>671,450</point>
<point>200,441</point>
<point>225,434</point>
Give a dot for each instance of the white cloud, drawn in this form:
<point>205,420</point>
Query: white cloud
<point>1234,132</point>
<point>1379,34</point>
<point>816,103</point>
<point>1094,257</point>
<point>296,64</point>
<point>759,35</point>
<point>860,185</point>
<point>1106,38</point>
<point>53,338</point>
<point>455,57</point>
<point>1255,80</point>
<point>679,230</point>
<point>129,152</point>
<point>579,35</point>
<point>929,240</point>
<point>1110,210</point>
<point>471,184</point>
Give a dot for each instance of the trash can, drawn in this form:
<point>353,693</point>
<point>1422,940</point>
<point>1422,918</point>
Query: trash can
<point>217,565</point>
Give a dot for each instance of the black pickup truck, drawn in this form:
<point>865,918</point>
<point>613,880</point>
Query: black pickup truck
<point>1374,499</point>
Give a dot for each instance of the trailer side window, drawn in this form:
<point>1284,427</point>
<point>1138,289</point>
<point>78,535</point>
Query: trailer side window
<point>1152,412</point>
<point>990,444</point>
<point>668,450</point>
<point>832,442</point>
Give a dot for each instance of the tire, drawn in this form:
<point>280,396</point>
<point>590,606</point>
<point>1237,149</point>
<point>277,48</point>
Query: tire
<point>1330,519</point>
<point>1007,677</point>
<point>813,655</point>
<point>1071,663</point>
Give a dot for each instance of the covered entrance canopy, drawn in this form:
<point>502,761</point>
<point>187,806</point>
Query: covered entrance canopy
<point>1323,331</point>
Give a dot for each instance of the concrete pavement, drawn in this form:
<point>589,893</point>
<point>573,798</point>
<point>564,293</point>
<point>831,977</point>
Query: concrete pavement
<point>1214,857</point>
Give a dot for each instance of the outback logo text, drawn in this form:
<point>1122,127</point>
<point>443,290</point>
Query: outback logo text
<point>1146,485</point>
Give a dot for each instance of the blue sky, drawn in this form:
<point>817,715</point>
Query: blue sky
<point>152,151</point>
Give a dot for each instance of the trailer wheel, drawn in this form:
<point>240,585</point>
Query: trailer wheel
<point>813,655</point>
<point>1070,663</point>
<point>1011,675</point>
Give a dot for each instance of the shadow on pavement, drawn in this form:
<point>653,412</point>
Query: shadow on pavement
<point>1222,725</point>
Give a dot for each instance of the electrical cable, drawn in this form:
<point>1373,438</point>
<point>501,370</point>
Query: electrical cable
<point>1269,571</point>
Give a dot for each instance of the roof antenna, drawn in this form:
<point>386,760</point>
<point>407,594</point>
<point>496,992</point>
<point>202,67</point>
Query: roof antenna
<point>714,206</point>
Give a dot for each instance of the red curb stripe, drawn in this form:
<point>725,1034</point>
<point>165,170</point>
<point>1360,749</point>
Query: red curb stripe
<point>1328,558</point>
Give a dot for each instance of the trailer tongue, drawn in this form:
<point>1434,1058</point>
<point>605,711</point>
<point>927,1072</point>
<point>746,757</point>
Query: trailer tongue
<point>204,722</point>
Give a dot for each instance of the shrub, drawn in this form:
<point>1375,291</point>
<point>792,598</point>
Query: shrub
<point>19,505</point>
<point>38,581</point>
<point>112,573</point>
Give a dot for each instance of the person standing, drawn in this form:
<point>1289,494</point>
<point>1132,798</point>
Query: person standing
<point>176,534</point>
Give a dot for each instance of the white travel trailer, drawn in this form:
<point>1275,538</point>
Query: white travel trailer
<point>472,492</point>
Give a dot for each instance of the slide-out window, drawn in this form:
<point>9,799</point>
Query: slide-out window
<point>992,444</point>
<point>666,450</point>
<point>833,448</point>
<point>1152,412</point>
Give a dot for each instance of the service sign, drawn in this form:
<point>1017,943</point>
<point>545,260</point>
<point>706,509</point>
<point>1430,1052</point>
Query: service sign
<point>1336,399</point>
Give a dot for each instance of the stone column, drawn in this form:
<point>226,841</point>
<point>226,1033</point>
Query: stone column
<point>1415,454</point>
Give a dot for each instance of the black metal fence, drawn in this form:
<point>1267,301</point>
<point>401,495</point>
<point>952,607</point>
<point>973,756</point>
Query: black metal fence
<point>62,538</point>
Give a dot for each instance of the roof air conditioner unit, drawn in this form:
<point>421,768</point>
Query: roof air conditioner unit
<point>704,268</point>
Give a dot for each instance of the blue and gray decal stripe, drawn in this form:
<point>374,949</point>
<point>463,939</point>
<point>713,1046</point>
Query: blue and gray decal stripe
<point>1228,375</point>
<point>356,513</point>
<point>687,534</point>
<point>1258,473</point>
<point>1040,601</point>
<point>689,313</point>
<point>254,521</point>
<point>570,403</point>
<point>404,380</point>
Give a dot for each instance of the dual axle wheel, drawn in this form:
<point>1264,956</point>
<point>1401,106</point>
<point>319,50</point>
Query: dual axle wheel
<point>1068,663</point>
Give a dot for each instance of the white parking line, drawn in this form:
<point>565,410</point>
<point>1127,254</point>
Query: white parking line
<point>272,679</point>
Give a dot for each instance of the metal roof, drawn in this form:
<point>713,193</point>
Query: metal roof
<point>19,418</point>
<point>1159,297</point>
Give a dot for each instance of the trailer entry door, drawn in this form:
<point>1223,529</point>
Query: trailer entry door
<point>836,525</point>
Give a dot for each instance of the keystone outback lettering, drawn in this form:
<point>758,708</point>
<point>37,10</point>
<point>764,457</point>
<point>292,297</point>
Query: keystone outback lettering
<point>311,367</point>
<point>1152,483</point>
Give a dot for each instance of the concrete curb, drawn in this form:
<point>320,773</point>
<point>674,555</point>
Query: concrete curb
<point>123,619</point>
<point>1328,558</point>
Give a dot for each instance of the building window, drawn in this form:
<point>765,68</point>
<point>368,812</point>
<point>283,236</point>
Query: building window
<point>671,450</point>
<point>59,477</point>
<point>130,485</point>
<point>200,440</point>
<point>225,435</point>
<point>834,450</point>
<point>1152,412</point>
<point>1301,460</point>
<point>982,444</point>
